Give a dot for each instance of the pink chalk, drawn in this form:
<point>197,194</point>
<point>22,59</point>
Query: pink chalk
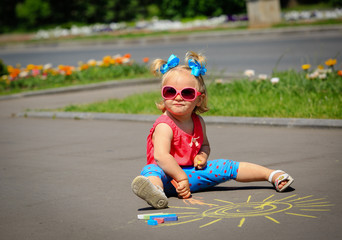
<point>174,183</point>
<point>159,220</point>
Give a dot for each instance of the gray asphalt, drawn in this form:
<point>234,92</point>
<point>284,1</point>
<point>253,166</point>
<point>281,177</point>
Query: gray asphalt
<point>231,52</point>
<point>70,179</point>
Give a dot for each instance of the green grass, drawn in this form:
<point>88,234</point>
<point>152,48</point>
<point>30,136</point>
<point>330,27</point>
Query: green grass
<point>294,96</point>
<point>136,104</point>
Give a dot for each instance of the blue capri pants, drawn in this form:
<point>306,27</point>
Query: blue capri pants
<point>216,171</point>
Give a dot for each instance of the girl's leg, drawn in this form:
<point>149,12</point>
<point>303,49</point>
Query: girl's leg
<point>216,172</point>
<point>250,172</point>
<point>222,170</point>
<point>156,181</point>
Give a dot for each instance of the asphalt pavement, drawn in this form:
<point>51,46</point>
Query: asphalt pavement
<point>230,52</point>
<point>65,178</point>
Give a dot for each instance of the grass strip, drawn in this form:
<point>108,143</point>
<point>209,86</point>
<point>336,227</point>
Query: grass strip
<point>294,96</point>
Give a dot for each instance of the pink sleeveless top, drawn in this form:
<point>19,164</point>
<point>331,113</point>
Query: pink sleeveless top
<point>184,147</point>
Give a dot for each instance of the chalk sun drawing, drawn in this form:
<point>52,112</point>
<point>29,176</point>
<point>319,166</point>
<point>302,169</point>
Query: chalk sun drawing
<point>267,208</point>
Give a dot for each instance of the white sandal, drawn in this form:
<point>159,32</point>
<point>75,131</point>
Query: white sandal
<point>153,195</point>
<point>281,178</point>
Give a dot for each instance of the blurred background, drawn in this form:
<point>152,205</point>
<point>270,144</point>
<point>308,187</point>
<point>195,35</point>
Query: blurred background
<point>33,15</point>
<point>235,35</point>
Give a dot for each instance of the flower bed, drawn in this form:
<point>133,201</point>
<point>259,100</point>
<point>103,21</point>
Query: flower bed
<point>33,77</point>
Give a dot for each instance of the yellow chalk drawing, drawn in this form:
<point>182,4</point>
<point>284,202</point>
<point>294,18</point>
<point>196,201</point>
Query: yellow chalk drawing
<point>267,208</point>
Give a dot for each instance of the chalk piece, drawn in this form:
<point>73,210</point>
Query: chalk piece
<point>163,215</point>
<point>159,220</point>
<point>174,183</point>
<point>152,222</point>
<point>147,216</point>
<point>168,217</point>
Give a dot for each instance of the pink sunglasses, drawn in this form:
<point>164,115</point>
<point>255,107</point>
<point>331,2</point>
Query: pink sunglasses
<point>188,93</point>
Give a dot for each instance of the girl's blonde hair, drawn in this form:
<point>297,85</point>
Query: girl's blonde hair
<point>158,63</point>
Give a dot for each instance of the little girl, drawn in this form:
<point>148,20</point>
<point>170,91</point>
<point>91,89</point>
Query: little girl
<point>178,147</point>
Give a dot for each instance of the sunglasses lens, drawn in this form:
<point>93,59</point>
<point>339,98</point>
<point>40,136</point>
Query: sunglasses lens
<point>188,93</point>
<point>169,92</point>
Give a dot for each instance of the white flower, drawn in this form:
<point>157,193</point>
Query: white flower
<point>322,76</point>
<point>219,81</point>
<point>249,73</point>
<point>274,80</point>
<point>92,62</point>
<point>23,74</point>
<point>47,66</point>
<point>262,76</point>
<point>313,75</point>
<point>125,60</point>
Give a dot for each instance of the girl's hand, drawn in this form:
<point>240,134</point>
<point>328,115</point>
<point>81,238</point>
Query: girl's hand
<point>183,189</point>
<point>200,161</point>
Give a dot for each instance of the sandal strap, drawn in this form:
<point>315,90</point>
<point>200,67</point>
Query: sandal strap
<point>272,174</point>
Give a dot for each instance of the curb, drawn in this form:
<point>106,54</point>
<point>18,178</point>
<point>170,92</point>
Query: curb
<point>278,122</point>
<point>79,88</point>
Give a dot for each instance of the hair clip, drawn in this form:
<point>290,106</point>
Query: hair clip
<point>196,68</point>
<point>172,62</point>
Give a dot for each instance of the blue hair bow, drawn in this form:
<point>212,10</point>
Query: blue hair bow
<point>196,68</point>
<point>172,62</point>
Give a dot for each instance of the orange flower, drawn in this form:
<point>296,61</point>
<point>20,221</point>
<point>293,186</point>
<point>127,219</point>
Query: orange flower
<point>67,70</point>
<point>13,72</point>
<point>119,60</point>
<point>30,67</point>
<point>34,67</point>
<point>127,55</point>
<point>339,73</point>
<point>84,66</point>
<point>330,62</point>
<point>146,59</point>
<point>39,67</point>
<point>106,60</point>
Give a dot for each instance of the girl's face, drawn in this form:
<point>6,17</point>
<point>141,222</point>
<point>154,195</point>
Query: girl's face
<point>180,79</point>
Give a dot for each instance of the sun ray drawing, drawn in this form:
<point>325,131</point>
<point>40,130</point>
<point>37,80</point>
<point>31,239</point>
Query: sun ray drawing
<point>268,208</point>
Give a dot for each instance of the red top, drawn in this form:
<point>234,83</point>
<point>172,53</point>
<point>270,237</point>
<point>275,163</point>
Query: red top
<point>184,147</point>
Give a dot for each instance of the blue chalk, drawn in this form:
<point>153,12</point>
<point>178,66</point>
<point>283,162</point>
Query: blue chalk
<point>163,216</point>
<point>167,217</point>
<point>152,222</point>
<point>170,218</point>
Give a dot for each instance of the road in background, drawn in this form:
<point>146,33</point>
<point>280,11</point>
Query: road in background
<point>229,53</point>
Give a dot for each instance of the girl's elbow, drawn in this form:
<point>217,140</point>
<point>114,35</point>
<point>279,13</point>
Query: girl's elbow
<point>159,158</point>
